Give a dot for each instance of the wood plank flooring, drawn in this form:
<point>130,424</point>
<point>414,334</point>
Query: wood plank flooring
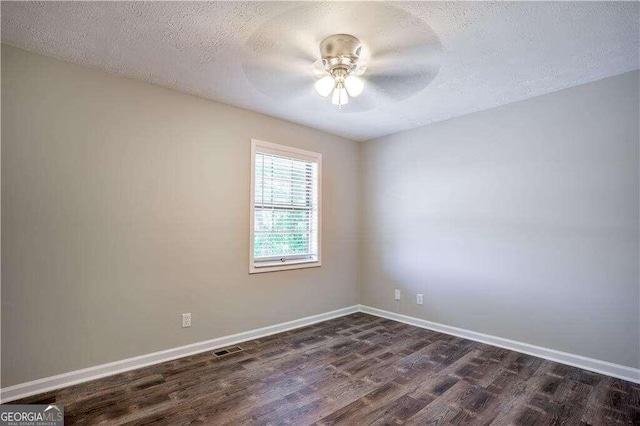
<point>354,370</point>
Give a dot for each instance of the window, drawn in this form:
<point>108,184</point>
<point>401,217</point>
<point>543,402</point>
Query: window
<point>285,208</point>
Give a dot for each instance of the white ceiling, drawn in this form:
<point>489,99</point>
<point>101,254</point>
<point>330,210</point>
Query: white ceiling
<point>484,54</point>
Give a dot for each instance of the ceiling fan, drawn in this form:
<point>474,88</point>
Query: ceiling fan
<point>361,56</point>
<point>339,69</point>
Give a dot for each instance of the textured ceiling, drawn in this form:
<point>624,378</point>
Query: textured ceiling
<point>480,54</point>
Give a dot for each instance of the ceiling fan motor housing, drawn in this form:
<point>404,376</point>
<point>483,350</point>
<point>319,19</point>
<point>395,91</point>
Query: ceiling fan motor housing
<point>340,54</point>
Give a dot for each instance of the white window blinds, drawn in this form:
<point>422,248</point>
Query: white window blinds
<point>285,208</point>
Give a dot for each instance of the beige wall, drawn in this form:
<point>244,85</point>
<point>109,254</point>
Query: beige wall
<point>519,222</point>
<point>125,205</point>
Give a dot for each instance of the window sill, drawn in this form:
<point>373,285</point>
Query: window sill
<point>280,266</point>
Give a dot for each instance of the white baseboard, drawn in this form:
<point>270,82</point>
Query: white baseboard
<point>46,384</point>
<point>603,367</point>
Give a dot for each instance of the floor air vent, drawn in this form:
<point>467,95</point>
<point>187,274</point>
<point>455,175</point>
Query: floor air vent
<point>227,351</point>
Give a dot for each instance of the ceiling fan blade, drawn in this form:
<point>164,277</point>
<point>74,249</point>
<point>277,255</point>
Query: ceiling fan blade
<point>400,87</point>
<point>279,81</point>
<point>406,61</point>
<point>359,70</point>
<point>318,68</point>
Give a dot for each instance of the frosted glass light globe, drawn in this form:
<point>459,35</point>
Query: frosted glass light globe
<point>325,85</point>
<point>354,85</point>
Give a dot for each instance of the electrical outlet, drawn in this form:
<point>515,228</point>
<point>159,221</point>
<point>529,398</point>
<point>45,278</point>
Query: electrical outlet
<point>186,320</point>
<point>397,294</point>
<point>419,299</point>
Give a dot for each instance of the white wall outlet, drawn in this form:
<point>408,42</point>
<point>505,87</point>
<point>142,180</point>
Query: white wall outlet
<point>397,294</point>
<point>186,320</point>
<point>419,299</point>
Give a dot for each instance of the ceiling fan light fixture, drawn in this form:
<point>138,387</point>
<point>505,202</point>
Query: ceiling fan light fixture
<point>340,54</point>
<point>354,85</point>
<point>325,85</point>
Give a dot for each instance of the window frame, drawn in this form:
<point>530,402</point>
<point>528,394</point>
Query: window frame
<point>300,154</point>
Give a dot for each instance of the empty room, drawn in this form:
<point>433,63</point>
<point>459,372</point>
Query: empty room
<point>319,213</point>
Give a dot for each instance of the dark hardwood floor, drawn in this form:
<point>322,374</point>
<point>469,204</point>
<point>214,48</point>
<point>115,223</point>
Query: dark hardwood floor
<point>355,370</point>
